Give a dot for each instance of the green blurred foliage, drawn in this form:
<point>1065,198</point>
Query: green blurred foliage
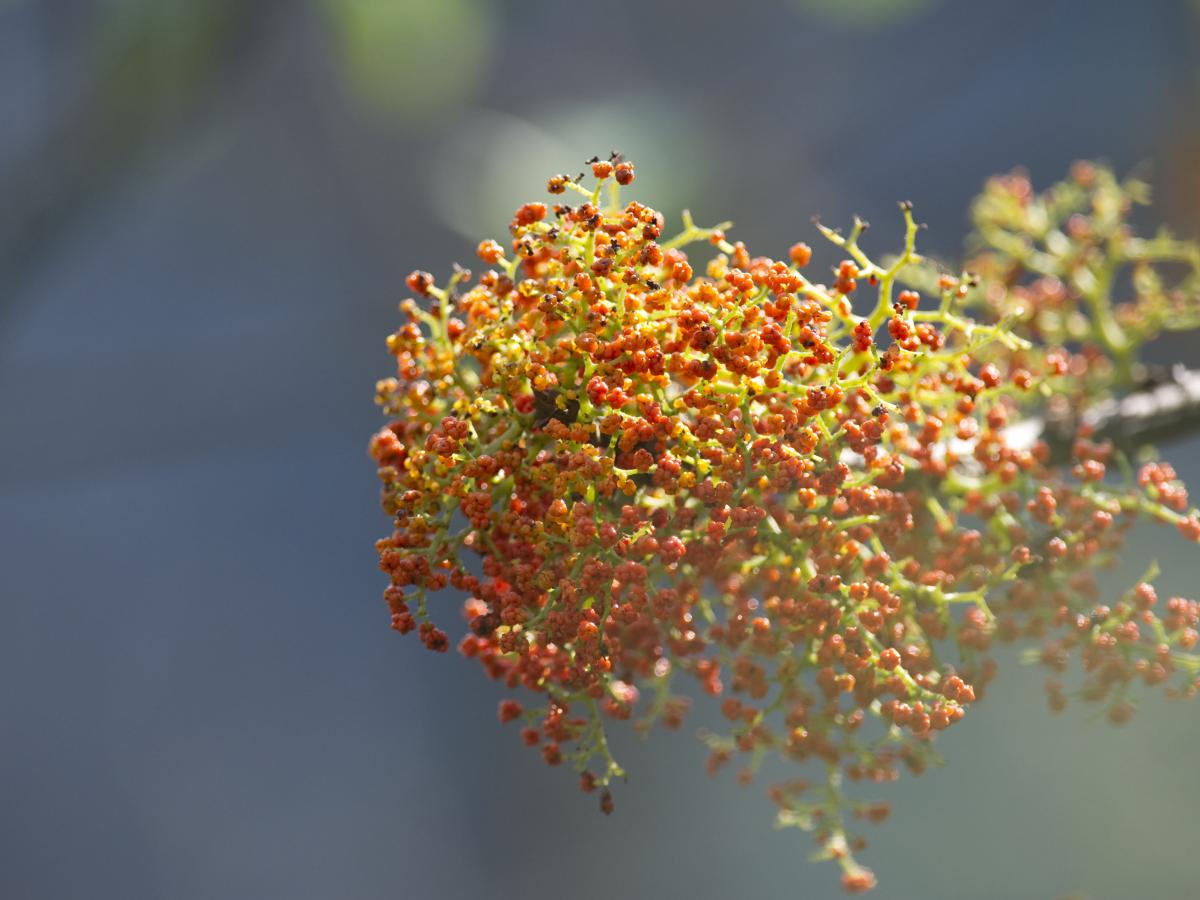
<point>864,13</point>
<point>407,57</point>
<point>494,162</point>
<point>154,53</point>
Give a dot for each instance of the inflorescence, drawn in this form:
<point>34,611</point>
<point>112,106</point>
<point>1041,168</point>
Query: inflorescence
<point>638,466</point>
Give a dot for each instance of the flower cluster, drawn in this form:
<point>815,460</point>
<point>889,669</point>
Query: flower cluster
<point>639,464</point>
<point>1065,269</point>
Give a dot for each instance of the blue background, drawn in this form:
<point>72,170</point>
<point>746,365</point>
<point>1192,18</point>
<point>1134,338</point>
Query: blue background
<point>206,214</point>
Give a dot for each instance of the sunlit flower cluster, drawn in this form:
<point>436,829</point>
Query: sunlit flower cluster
<point>642,457</point>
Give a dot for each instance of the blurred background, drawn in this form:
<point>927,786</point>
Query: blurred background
<point>206,213</point>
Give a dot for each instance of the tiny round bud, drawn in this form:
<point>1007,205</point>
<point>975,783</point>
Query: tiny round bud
<point>419,282</point>
<point>490,252</point>
<point>800,254</point>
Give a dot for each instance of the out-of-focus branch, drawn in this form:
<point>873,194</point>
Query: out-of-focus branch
<point>1167,408</point>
